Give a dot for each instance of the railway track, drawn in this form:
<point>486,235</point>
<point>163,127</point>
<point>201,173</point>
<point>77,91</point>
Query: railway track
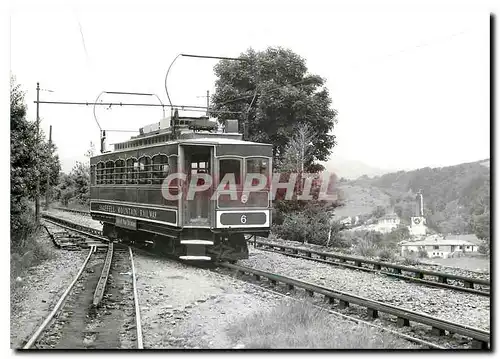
<point>73,315</point>
<point>479,338</point>
<point>417,275</point>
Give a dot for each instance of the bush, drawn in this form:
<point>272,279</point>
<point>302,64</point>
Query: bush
<point>386,254</point>
<point>26,248</point>
<point>422,253</point>
<point>410,260</point>
<point>341,239</point>
<point>300,227</point>
<point>484,247</point>
<point>365,248</point>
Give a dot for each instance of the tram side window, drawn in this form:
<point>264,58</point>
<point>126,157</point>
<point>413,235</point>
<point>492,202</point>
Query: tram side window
<point>100,173</point>
<point>119,172</point>
<point>160,168</point>
<point>132,170</point>
<point>145,170</point>
<point>230,167</point>
<point>92,175</point>
<point>109,172</point>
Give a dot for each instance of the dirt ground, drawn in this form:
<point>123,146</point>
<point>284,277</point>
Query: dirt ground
<point>38,290</point>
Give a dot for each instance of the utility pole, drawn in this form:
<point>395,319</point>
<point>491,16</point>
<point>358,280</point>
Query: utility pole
<point>37,194</point>
<point>208,101</point>
<point>48,174</point>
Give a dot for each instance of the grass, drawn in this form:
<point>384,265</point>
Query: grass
<point>29,247</point>
<point>300,325</point>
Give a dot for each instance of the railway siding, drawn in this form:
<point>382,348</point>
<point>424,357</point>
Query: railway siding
<point>419,275</point>
<point>460,307</point>
<point>480,337</point>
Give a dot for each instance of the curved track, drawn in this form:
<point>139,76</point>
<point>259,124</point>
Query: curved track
<point>417,275</point>
<point>480,338</point>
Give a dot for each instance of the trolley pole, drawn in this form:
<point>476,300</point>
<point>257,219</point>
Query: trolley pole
<point>208,102</point>
<point>47,190</point>
<point>37,194</point>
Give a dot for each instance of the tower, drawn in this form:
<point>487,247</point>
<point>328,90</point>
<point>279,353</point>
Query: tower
<point>417,225</point>
<point>419,204</point>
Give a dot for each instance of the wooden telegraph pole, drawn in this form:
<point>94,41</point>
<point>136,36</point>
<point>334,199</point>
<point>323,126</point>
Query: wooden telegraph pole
<point>48,174</point>
<point>37,194</point>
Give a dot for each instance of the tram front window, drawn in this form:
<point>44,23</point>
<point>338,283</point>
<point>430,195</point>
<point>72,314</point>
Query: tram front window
<point>230,168</point>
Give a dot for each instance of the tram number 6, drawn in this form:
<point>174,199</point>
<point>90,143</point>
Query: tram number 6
<point>243,219</point>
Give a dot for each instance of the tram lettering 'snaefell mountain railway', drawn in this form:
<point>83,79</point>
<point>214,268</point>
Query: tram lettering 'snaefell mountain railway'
<point>128,189</point>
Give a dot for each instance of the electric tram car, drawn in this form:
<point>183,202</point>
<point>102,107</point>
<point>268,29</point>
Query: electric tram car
<point>128,189</point>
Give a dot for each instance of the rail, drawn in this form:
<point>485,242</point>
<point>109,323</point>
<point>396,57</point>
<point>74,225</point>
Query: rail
<point>480,338</point>
<point>98,294</point>
<point>136,301</point>
<point>394,270</point>
<point>58,305</point>
<point>101,284</point>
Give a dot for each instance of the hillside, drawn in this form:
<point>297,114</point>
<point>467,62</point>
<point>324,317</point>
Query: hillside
<point>456,198</point>
<point>360,199</point>
<point>350,169</point>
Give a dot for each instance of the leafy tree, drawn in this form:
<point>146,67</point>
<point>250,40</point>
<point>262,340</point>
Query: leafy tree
<point>275,93</point>
<point>296,154</point>
<point>80,175</point>
<point>29,160</point>
<point>65,190</point>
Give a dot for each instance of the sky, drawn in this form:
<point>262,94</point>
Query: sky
<point>410,83</point>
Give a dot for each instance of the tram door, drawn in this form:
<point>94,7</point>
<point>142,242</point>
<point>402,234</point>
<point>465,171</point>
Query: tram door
<point>197,160</point>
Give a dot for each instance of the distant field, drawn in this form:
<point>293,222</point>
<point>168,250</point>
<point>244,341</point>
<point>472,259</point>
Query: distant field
<point>360,199</point>
<point>477,264</point>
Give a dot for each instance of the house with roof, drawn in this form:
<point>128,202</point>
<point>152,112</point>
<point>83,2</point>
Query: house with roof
<point>385,224</point>
<point>439,246</point>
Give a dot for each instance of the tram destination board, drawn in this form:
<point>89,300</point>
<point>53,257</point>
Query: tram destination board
<point>127,223</point>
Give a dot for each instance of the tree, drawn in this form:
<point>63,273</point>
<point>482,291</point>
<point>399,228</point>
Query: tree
<point>298,153</point>
<point>65,190</point>
<point>274,94</point>
<point>80,174</point>
<point>29,160</point>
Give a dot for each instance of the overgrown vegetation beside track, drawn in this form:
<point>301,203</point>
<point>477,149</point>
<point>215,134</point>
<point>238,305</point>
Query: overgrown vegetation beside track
<point>294,325</point>
<point>25,154</point>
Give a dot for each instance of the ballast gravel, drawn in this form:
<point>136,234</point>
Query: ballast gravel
<point>460,307</point>
<point>36,291</point>
<point>184,307</point>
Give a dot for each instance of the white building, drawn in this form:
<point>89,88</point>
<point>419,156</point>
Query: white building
<point>437,246</point>
<point>385,224</point>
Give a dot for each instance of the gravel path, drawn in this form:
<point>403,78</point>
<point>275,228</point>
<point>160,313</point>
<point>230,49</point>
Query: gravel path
<point>40,288</point>
<point>455,306</point>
